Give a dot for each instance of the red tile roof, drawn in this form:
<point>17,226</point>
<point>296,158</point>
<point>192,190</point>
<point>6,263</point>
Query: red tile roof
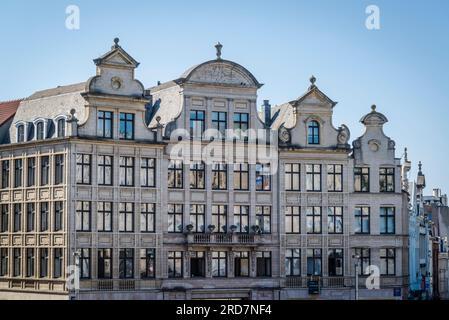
<point>8,109</point>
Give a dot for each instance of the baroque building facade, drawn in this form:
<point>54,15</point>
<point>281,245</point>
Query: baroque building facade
<point>185,191</point>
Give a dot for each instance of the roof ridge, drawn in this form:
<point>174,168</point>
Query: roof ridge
<point>13,100</point>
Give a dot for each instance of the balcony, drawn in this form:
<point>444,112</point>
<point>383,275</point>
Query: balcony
<point>222,238</point>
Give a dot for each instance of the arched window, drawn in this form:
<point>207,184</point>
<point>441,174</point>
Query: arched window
<point>61,128</point>
<point>40,130</point>
<point>21,133</point>
<point>313,132</point>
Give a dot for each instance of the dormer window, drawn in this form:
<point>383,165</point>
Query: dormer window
<point>21,133</point>
<point>60,128</point>
<point>40,131</point>
<point>313,132</point>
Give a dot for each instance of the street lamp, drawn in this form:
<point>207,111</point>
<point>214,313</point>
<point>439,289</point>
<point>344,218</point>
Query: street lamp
<point>356,257</point>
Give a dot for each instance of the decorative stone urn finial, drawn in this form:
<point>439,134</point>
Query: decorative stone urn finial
<point>420,166</point>
<point>373,108</point>
<point>218,46</point>
<point>116,41</point>
<point>312,82</point>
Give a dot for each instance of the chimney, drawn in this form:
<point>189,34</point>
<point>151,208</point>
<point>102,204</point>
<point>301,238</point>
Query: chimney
<point>437,193</point>
<point>267,113</point>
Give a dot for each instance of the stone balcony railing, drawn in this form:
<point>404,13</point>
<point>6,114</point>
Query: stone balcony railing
<point>223,238</point>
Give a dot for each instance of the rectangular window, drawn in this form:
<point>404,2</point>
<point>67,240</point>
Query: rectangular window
<point>219,264</point>
<point>21,133</point>
<point>127,171</point>
<point>197,212</point>
<point>147,217</point>
<point>364,257</point>
<point>105,170</point>
<point>175,268</point>
<point>17,225</point>
<point>197,264</point>
<point>31,216</point>
<point>314,262</point>
<point>293,262</point>
<point>263,177</point>
<point>263,218</point>
<point>335,262</point>
<point>31,177</point>
<point>219,176</point>
<point>387,220</point>
<point>3,262</point>
<point>220,218</point>
<point>104,263</point>
<point>126,126</point>
<point>84,263</point>
<point>104,124</point>
<point>104,216</point>
<point>43,263</point>
<point>18,173</point>
<point>313,220</point>
<point>83,168</point>
<point>147,263</point>
<point>197,175</point>
<point>241,125</point>
<point>335,220</point>
<point>388,262</point>
<point>82,217</point>
<point>17,262</point>
<point>5,174</point>
<point>57,263</point>
<point>313,177</point>
<point>361,179</point>
<point>148,172</point>
<point>58,218</point>
<point>293,219</point>
<point>386,179</point>
<point>126,217</point>
<point>220,123</point>
<point>59,169</point>
<point>175,174</point>
<point>126,263</point>
<point>175,214</point>
<point>334,178</point>
<point>197,123</point>
<point>5,218</point>
<point>292,177</point>
<point>241,264</point>
<point>241,176</point>
<point>263,263</point>
<point>362,220</point>
<point>44,217</point>
<point>61,128</point>
<point>45,170</point>
<point>241,219</point>
<point>30,262</point>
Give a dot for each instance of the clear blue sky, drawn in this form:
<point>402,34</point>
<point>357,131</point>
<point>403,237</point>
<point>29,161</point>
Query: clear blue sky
<point>403,67</point>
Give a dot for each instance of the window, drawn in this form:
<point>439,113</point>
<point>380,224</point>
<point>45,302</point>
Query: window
<point>58,218</point>
<point>84,263</point>
<point>292,177</point>
<point>361,179</point>
<point>292,262</point>
<point>175,268</point>
<point>241,264</point>
<point>18,172</point>
<point>83,168</point>
<point>263,177</point>
<point>314,262</point>
<point>40,131</point>
<point>335,220</point>
<point>148,172</point>
<point>126,217</point>
<point>334,178</point>
<point>126,263</point>
<point>45,170</point>
<point>57,263</point>
<point>263,218</point>
<point>197,123</point>
<point>197,175</point>
<point>104,216</point>
<point>263,263</point>
<point>335,262</point>
<point>219,176</point>
<point>5,218</point>
<point>31,177</point>
<point>5,174</point>
<point>175,214</point>
<point>126,126</point>
<point>241,176</point>
<point>197,217</point>
<point>362,220</point>
<point>43,262</point>
<point>313,132</point>
<point>219,264</point>
<point>104,124</point>
<point>17,262</point>
<point>313,220</point>
<point>127,171</point>
<point>104,263</point>
<point>292,219</point>
<point>31,216</point>
<point>147,217</point>
<point>147,263</point>
<point>220,123</point>
<point>313,177</point>
<point>219,218</point>
<point>21,133</point>
<point>241,219</point>
<point>17,225</point>
<point>364,255</point>
<point>387,220</point>
<point>175,174</point>
<point>44,217</point>
<point>241,125</point>
<point>30,262</point>
<point>3,262</point>
<point>197,264</point>
<point>59,169</point>
<point>82,218</point>
<point>386,179</point>
<point>61,128</point>
<point>388,262</point>
<point>104,170</point>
